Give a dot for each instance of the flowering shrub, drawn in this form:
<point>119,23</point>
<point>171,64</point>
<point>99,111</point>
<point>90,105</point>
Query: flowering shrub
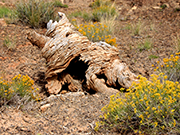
<point>169,66</point>
<point>5,91</point>
<point>96,32</point>
<point>148,107</point>
<point>103,11</point>
<point>20,86</point>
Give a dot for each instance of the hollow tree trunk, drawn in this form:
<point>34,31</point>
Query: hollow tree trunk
<point>75,62</point>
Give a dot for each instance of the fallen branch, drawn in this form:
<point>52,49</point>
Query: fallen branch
<point>78,64</point>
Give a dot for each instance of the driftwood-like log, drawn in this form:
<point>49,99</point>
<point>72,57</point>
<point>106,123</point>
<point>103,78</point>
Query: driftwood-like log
<point>76,63</point>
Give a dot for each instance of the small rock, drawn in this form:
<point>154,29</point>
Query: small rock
<point>131,10</point>
<point>95,95</point>
<point>1,3</point>
<point>158,4</point>
<point>43,102</point>
<point>3,22</point>
<point>45,107</point>
<point>167,5</point>
<point>2,32</point>
<point>63,92</point>
<point>78,94</point>
<point>51,98</point>
<point>134,8</point>
<point>156,7</point>
<point>119,8</point>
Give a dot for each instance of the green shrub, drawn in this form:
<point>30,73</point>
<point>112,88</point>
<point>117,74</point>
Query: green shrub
<point>102,9</point>
<point>8,14</point>
<point>99,3</point>
<point>149,107</point>
<point>153,57</point>
<point>163,6</point>
<point>19,86</point>
<point>145,46</point>
<point>58,3</point>
<point>85,15</point>
<point>137,28</point>
<point>35,13</point>
<point>127,27</point>
<point>96,32</point>
<point>169,66</point>
<point>103,12</point>
<point>75,14</point>
<point>10,44</point>
<point>5,12</point>
<point>106,13</point>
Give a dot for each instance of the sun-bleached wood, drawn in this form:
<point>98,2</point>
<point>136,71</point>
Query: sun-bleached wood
<point>79,64</point>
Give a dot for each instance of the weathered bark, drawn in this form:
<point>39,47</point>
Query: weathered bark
<point>74,61</point>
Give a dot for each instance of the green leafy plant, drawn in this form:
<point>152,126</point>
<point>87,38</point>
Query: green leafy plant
<point>127,27</point>
<point>8,14</point>
<point>99,3</point>
<point>152,26</point>
<point>85,15</point>
<point>35,13</point>
<point>10,44</point>
<point>163,6</point>
<point>58,3</point>
<point>176,9</point>
<point>145,46</point>
<point>153,57</point>
<point>5,11</point>
<point>103,12</point>
<point>19,86</point>
<point>137,28</point>
<point>75,14</point>
<point>149,107</point>
<point>96,32</point>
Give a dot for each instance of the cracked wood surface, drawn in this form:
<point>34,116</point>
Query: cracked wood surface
<point>78,63</point>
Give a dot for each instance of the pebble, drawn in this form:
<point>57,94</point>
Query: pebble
<point>45,107</point>
<point>51,98</point>
<point>3,22</point>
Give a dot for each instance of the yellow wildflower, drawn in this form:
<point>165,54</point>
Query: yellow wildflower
<point>155,124</point>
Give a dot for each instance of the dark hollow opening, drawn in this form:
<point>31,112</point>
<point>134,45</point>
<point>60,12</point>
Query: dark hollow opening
<point>116,86</point>
<point>77,70</point>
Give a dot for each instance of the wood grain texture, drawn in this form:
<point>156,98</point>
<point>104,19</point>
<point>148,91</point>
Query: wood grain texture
<point>79,64</point>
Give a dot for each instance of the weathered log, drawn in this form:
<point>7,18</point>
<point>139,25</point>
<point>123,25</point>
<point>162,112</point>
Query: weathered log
<point>77,63</point>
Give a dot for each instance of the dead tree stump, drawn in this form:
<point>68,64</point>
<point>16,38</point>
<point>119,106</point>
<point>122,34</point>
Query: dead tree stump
<point>77,63</point>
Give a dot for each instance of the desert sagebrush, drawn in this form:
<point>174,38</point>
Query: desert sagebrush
<point>21,85</point>
<point>148,107</point>
<point>35,13</point>
<point>169,66</point>
<point>96,32</point>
